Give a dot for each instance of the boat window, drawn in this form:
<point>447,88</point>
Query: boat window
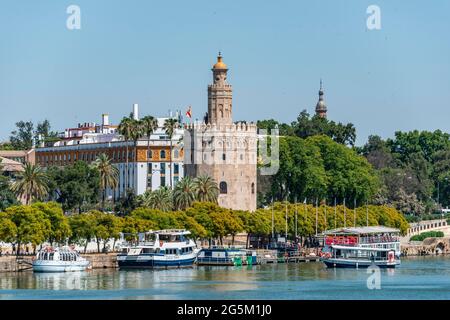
<point>51,256</point>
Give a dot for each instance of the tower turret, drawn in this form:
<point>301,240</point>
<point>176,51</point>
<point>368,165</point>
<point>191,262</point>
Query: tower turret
<point>220,95</point>
<point>321,107</point>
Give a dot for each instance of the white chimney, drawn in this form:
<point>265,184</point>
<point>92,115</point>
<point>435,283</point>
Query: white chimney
<point>135,111</point>
<point>105,119</point>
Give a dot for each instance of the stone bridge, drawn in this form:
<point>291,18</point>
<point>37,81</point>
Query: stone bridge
<point>424,226</point>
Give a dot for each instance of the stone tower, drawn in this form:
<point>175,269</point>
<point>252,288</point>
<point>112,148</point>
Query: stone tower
<point>220,95</point>
<point>224,150</point>
<point>321,107</point>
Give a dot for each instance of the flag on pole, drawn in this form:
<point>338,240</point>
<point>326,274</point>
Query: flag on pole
<point>189,112</point>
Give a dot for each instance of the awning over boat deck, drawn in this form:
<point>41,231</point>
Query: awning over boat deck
<point>361,230</point>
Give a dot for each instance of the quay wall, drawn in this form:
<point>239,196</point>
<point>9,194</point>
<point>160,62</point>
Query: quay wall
<point>430,246</point>
<point>98,261</point>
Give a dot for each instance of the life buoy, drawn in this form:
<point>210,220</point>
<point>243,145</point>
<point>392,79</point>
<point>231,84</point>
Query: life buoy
<point>391,256</point>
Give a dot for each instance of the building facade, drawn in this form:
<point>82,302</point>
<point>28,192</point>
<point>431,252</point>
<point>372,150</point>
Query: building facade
<point>224,150</point>
<point>149,160</point>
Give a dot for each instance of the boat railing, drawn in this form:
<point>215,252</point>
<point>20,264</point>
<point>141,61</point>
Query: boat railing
<point>378,239</point>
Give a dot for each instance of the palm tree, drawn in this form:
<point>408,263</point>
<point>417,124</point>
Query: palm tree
<point>136,133</point>
<point>109,175</point>
<point>126,130</point>
<point>184,194</point>
<point>149,125</point>
<point>32,183</point>
<point>206,189</point>
<point>160,199</point>
<point>169,126</point>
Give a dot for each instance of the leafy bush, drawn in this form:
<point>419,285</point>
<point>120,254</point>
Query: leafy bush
<point>428,234</point>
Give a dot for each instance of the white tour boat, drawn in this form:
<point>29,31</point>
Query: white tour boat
<point>361,247</point>
<point>159,249</point>
<point>59,260</point>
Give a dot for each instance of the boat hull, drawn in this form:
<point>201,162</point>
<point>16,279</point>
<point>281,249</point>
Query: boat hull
<point>52,266</point>
<point>339,263</point>
<point>154,262</point>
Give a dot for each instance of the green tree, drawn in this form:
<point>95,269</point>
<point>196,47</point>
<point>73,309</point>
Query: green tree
<point>126,128</point>
<point>109,175</point>
<point>184,193</point>
<point>7,197</point>
<point>31,223</point>
<point>8,230</point>
<point>75,186</point>
<point>59,230</point>
<point>22,137</point>
<point>83,229</point>
<point>160,199</point>
<point>149,125</point>
<point>107,226</point>
<point>206,189</point>
<point>31,184</point>
<point>170,125</point>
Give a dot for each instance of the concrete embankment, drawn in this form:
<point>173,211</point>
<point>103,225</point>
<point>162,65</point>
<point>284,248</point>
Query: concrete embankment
<point>23,263</point>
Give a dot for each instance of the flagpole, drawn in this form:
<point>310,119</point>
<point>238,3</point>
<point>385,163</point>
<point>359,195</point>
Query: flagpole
<point>317,214</point>
<point>296,218</point>
<point>325,208</point>
<point>354,212</point>
<point>345,215</point>
<point>367,214</point>
<point>335,214</point>
<point>272,220</point>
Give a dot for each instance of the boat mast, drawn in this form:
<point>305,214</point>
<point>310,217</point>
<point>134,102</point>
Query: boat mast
<point>354,212</point>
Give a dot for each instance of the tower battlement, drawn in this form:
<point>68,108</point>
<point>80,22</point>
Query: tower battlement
<point>234,127</point>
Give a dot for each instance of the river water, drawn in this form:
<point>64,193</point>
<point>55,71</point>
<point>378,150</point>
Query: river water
<point>416,278</point>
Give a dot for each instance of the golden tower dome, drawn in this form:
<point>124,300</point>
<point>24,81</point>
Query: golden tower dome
<point>220,64</point>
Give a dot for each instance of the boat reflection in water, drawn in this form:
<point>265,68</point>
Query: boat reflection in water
<point>361,247</point>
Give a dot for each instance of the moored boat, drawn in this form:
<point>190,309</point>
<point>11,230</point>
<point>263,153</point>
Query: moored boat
<point>226,256</point>
<point>59,260</point>
<point>361,247</point>
<point>159,249</point>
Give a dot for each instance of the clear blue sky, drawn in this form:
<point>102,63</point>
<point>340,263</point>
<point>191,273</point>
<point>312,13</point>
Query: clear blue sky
<point>159,54</point>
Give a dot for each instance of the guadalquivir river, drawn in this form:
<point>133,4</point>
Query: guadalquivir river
<point>416,278</point>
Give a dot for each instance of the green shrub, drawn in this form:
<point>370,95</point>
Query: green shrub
<point>428,234</point>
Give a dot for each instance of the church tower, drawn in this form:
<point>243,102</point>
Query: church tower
<point>221,149</point>
<point>321,107</point>
<point>220,95</point>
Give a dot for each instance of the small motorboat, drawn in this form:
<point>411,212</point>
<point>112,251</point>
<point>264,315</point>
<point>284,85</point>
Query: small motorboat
<point>62,259</point>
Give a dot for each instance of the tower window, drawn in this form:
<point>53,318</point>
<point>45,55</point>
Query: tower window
<point>149,154</point>
<point>253,188</point>
<point>223,187</point>
<point>224,156</point>
<point>162,155</point>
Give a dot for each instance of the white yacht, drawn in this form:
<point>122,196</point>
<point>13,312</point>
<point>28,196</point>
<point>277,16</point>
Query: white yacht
<point>59,260</point>
<point>159,249</point>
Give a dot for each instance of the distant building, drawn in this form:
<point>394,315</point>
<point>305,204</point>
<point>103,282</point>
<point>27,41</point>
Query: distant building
<point>22,156</point>
<point>321,107</point>
<point>224,150</point>
<point>146,170</point>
